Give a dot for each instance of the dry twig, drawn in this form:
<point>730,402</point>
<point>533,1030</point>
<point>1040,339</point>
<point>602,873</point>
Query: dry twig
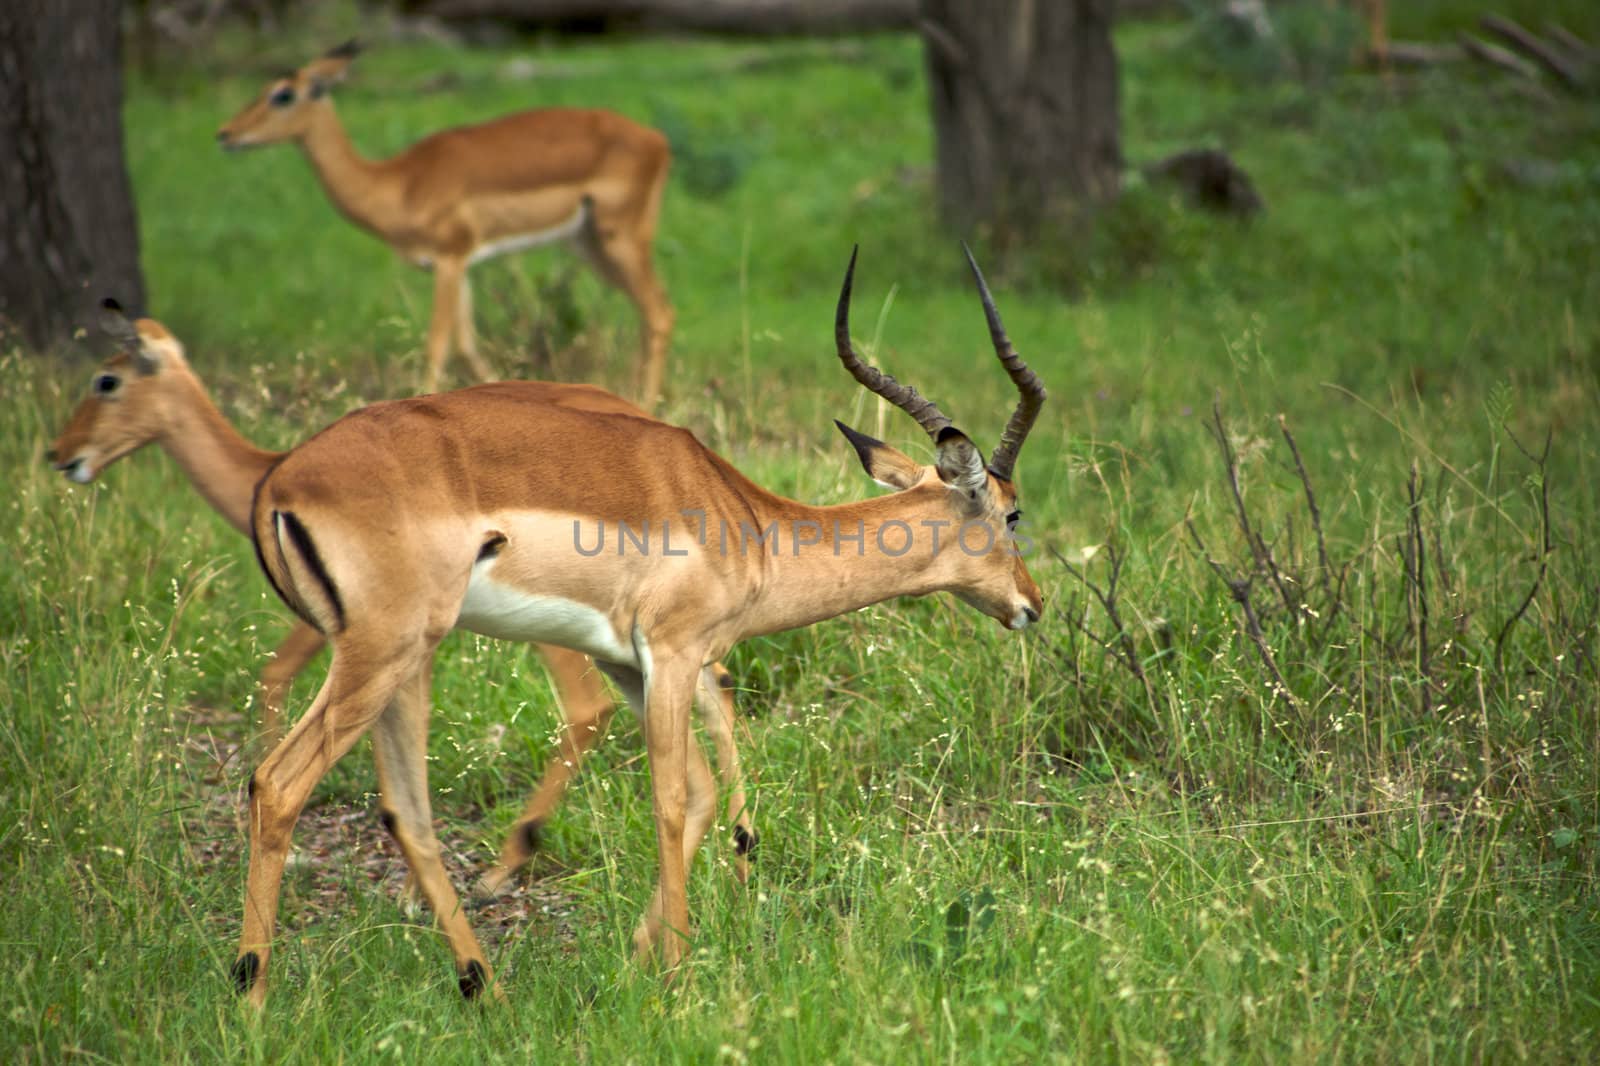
<point>1239,589</point>
<point>1121,646</point>
<point>1539,463</point>
<point>1413,555</point>
<point>1259,551</point>
<point>1311,503</point>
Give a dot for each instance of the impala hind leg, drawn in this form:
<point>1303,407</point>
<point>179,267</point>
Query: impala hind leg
<point>586,710</point>
<point>400,750</point>
<point>348,704</point>
<point>622,258</point>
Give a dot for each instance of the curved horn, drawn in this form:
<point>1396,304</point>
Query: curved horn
<point>1028,384</point>
<point>924,410</point>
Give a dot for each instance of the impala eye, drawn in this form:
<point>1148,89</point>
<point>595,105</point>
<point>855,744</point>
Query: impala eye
<point>282,97</point>
<point>106,384</point>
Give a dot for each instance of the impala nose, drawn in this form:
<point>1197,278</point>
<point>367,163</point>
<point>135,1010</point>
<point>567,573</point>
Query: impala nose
<point>1024,617</point>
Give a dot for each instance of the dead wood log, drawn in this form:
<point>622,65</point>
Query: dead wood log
<point>1580,50</point>
<point>1540,51</point>
<point>1422,53</point>
<point>1495,56</point>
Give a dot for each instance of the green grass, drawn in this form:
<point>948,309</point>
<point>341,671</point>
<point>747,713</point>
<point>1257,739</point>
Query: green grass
<point>975,847</point>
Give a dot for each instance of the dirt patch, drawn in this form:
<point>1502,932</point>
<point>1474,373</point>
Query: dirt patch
<point>341,849</point>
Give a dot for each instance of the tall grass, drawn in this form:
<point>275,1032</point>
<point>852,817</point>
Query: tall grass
<point>1355,822</point>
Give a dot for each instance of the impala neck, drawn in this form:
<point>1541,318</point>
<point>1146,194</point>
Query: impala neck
<point>222,464</point>
<point>866,552</point>
<point>347,178</point>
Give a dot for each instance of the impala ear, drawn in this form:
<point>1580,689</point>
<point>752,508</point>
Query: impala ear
<point>961,467</point>
<point>889,467</point>
<point>115,323</point>
<point>329,69</point>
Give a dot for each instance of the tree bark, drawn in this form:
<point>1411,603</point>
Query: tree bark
<point>68,233</point>
<point>1024,99</point>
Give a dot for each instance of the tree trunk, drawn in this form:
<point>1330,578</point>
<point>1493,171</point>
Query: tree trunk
<point>1024,98</point>
<point>68,235</point>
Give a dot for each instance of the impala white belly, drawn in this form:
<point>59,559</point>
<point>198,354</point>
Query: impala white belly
<point>499,610</point>
<point>533,238</point>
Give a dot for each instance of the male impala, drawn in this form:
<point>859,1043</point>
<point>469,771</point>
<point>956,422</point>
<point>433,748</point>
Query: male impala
<point>462,195</point>
<point>147,392</point>
<point>480,509</point>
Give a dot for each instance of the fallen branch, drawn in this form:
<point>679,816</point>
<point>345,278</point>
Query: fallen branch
<point>1421,54</point>
<point>1496,56</point>
<point>1542,52</point>
<point>1578,48</point>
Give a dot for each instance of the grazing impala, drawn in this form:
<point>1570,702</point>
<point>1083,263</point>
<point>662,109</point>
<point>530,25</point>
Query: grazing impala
<point>462,195</point>
<point>147,392</point>
<point>486,509</point>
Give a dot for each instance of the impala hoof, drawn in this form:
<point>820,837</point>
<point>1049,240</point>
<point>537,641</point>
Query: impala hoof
<point>245,970</point>
<point>744,841</point>
<point>473,980</point>
<point>532,837</point>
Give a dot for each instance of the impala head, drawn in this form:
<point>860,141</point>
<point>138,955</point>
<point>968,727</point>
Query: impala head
<point>975,496</point>
<point>124,408</point>
<point>285,109</point>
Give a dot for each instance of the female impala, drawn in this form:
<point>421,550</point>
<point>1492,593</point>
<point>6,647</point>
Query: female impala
<point>466,194</point>
<point>477,509</point>
<point>147,392</point>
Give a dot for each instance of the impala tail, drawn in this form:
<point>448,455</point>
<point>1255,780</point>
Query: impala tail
<point>289,557</point>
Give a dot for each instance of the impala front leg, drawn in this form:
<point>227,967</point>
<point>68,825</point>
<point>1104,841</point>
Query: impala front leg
<point>669,695</point>
<point>717,708</point>
<point>587,709</point>
<point>299,647</point>
<point>662,701</point>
